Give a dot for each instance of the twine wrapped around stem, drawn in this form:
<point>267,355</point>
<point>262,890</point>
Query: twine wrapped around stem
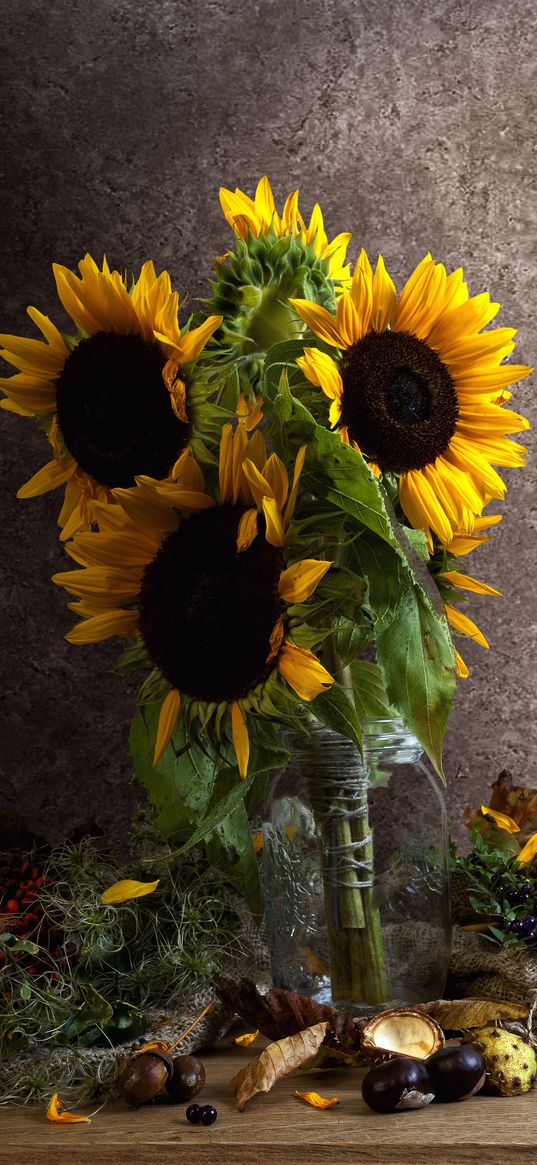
<point>338,782</point>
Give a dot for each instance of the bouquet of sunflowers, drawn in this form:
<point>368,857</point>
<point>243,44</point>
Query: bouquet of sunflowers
<point>269,501</point>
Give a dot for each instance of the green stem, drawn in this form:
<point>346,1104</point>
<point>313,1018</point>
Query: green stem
<point>356,951</point>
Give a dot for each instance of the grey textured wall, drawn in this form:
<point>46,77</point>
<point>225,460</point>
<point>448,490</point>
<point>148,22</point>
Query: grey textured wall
<point>413,123</point>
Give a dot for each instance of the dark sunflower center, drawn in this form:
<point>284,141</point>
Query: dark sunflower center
<point>207,612</point>
<point>114,410</point>
<point>399,400</point>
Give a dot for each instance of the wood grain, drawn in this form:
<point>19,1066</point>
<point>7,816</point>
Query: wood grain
<point>279,1127</point>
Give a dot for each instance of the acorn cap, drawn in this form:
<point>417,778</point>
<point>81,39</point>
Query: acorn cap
<point>400,1032</point>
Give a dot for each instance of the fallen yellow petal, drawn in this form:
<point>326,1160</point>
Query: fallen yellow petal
<point>316,1100</point>
<point>56,1112</point>
<point>528,852</point>
<point>247,1039</point>
<point>501,819</point>
<point>126,889</point>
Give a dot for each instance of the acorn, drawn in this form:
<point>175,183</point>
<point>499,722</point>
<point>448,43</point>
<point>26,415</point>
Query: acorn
<point>397,1084</point>
<point>143,1076</point>
<point>187,1079</point>
<point>456,1073</point>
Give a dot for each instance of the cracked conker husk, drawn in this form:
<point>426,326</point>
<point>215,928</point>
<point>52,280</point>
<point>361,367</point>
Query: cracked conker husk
<point>397,1084</point>
<point>187,1079</point>
<point>456,1073</point>
<point>144,1076</point>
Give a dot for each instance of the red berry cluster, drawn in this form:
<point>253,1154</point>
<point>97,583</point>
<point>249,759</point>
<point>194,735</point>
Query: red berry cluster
<point>21,909</point>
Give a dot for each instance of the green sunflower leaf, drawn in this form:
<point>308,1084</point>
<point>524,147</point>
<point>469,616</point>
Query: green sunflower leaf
<point>230,848</point>
<point>370,696</point>
<point>415,654</point>
<point>181,785</point>
<point>337,711</point>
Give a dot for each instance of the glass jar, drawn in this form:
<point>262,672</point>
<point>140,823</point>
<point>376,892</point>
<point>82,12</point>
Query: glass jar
<point>356,871</point>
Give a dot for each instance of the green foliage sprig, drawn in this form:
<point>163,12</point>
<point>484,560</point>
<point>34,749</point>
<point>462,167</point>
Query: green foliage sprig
<point>501,893</point>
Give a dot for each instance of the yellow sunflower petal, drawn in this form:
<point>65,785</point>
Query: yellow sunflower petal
<point>299,581</point>
<point>461,670</point>
<point>275,473</point>
<point>239,211</point>
<point>274,532</point>
<point>466,583</point>
<point>384,298</point>
<point>316,1100</point>
<point>319,321</point>
<point>126,889</point>
<point>528,852</point>
<point>225,464</point>
<point>462,623</point>
<point>276,639</point>
<point>193,342</point>
<point>167,721</point>
<point>241,740</point>
<point>291,500</point>
<point>321,370</point>
<point>422,505</point>
<point>56,1112</point>
<point>104,626</point>
<point>265,206</point>
<point>51,475</point>
<point>502,819</point>
<point>248,1037</point>
<point>247,530</point>
<point>303,671</point>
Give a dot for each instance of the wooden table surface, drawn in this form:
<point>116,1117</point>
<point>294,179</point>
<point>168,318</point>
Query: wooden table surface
<point>278,1127</point>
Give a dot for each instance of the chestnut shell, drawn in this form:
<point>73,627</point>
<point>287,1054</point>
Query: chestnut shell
<point>187,1079</point>
<point>456,1073</point>
<point>397,1084</point>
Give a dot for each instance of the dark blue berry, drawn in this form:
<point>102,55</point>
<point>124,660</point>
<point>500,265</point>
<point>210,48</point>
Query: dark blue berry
<point>513,897</point>
<point>208,1114</point>
<point>517,927</point>
<point>194,1114</point>
<point>529,923</point>
<point>525,890</point>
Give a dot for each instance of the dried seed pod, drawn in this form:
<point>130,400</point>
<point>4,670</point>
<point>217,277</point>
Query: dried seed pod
<point>400,1032</point>
<point>143,1076</point>
<point>187,1079</point>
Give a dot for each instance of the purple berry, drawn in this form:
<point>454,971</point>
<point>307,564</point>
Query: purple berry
<point>517,928</point>
<point>525,890</point>
<point>513,897</point>
<point>208,1114</point>
<point>529,923</point>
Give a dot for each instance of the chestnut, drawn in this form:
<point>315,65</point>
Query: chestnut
<point>143,1077</point>
<point>187,1079</point>
<point>397,1084</point>
<point>456,1073</point>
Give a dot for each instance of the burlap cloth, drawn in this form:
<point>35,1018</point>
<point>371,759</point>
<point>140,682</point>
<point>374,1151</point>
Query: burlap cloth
<point>481,967</point>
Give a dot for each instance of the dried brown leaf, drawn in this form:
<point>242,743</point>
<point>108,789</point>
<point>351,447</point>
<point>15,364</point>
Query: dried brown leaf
<point>282,1013</point>
<point>277,1061</point>
<point>459,1014</point>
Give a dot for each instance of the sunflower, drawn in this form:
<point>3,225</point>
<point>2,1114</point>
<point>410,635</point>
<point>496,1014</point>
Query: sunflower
<point>419,389</point>
<point>275,258</point>
<point>259,216</point>
<point>206,585</point>
<point>113,401</point>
